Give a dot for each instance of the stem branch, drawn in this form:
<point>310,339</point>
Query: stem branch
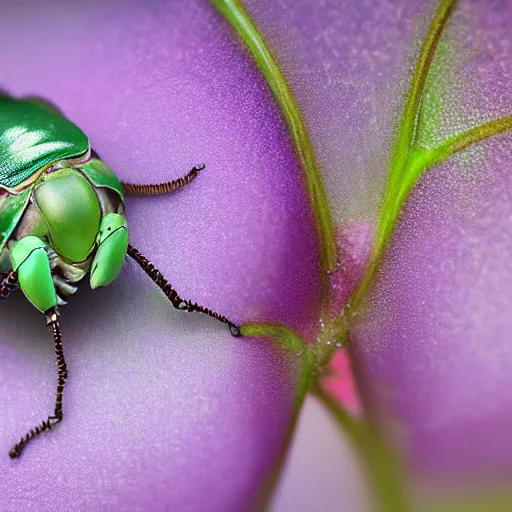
<point>384,473</point>
<point>237,16</point>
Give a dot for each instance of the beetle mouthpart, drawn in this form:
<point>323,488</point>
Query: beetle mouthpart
<point>63,286</point>
<point>60,301</point>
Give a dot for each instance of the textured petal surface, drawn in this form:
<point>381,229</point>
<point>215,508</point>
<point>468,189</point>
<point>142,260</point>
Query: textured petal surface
<point>435,335</point>
<point>164,411</point>
<point>434,341</point>
<point>348,66</point>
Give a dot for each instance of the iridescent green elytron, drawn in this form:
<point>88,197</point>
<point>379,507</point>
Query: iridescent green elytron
<point>62,218</point>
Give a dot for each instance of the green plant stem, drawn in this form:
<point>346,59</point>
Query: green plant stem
<point>408,161</point>
<point>235,13</point>
<point>466,139</point>
<point>385,476</point>
<point>422,160</point>
<point>289,341</point>
<point>408,126</point>
<point>299,353</point>
<point>407,132</point>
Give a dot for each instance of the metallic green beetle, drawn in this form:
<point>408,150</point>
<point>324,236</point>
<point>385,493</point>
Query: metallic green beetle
<point>62,218</point>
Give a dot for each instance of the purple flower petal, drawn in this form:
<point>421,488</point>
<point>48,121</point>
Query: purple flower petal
<point>162,410</point>
<point>432,345</point>
<point>435,336</point>
<point>433,342</point>
<point>344,62</point>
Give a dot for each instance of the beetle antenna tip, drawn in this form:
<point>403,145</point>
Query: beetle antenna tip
<point>15,452</point>
<point>236,330</point>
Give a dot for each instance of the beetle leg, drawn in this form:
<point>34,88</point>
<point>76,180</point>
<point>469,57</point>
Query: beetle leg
<point>172,295</point>
<point>161,188</point>
<point>29,258</point>
<point>52,318</point>
<point>8,284</point>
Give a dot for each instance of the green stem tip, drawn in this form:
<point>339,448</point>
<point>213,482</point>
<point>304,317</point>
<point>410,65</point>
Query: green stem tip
<point>237,16</point>
<point>408,160</point>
